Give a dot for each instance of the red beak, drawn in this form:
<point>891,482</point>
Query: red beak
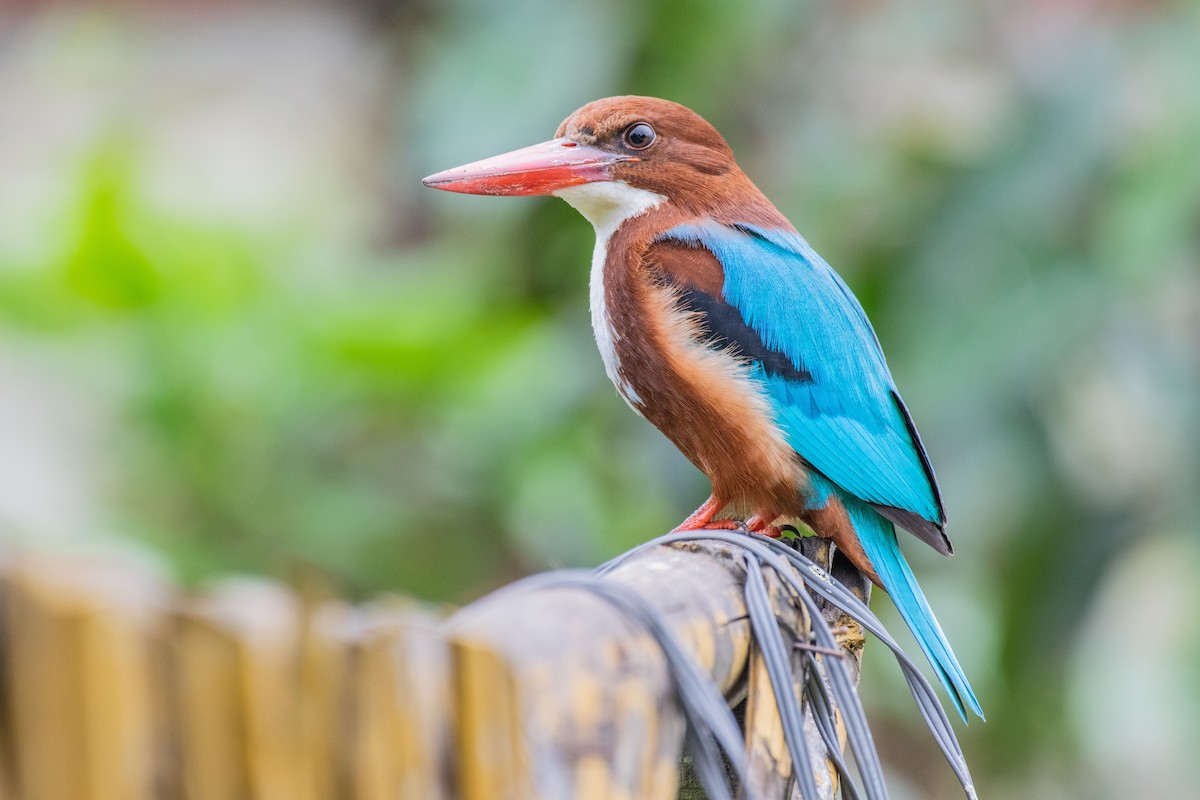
<point>537,170</point>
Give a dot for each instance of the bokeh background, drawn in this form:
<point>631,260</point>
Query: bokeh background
<point>237,335</point>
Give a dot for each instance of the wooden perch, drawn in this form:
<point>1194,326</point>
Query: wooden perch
<point>593,690</point>
<point>113,684</point>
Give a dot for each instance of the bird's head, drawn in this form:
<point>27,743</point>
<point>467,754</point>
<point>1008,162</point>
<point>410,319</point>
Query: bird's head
<point>608,147</point>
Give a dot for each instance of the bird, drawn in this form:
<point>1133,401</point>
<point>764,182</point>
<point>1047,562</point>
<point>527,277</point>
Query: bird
<point>719,324</point>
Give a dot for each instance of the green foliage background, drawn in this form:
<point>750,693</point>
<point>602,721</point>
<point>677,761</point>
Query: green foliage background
<point>234,328</point>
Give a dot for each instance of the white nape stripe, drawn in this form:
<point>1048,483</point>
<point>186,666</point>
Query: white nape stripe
<point>607,204</point>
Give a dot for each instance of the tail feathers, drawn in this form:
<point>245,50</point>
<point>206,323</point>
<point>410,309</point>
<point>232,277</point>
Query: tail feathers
<point>878,538</point>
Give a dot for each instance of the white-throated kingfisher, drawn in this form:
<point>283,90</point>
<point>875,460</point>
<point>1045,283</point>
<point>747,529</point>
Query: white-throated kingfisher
<point>720,325</point>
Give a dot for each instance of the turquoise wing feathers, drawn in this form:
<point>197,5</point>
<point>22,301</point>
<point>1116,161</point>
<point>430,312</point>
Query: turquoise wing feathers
<point>815,354</point>
<point>846,419</point>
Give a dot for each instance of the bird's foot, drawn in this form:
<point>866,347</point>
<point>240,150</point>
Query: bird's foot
<point>703,519</point>
<point>711,525</point>
<point>758,524</point>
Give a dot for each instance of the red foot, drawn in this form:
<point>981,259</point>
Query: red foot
<point>702,519</point>
<point>757,524</point>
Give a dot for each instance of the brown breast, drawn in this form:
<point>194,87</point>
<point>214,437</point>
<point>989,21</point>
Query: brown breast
<point>703,399</point>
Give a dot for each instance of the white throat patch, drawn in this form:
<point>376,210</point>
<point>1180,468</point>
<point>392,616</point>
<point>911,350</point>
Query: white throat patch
<point>607,204</point>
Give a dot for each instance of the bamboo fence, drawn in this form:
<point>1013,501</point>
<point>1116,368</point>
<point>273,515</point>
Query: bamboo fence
<point>116,685</point>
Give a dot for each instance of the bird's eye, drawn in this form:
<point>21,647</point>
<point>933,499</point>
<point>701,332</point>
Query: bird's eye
<point>639,136</point>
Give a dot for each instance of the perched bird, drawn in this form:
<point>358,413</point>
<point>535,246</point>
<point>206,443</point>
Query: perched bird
<point>720,325</point>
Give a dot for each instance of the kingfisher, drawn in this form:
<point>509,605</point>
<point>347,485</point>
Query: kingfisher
<point>720,324</point>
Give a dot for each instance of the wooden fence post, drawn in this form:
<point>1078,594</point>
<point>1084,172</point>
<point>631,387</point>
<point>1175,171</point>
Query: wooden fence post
<point>591,685</point>
<point>79,682</point>
<point>398,691</point>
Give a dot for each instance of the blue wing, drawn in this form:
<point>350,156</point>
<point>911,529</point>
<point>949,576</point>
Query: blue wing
<point>816,356</point>
<point>837,404</point>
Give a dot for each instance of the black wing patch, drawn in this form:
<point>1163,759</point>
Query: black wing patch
<point>727,330</point>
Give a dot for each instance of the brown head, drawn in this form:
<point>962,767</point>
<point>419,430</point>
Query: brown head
<point>644,142</point>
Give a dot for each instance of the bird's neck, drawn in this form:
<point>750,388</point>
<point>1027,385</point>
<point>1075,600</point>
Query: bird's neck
<point>607,205</point>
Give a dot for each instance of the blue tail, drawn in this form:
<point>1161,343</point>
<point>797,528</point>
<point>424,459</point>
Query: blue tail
<point>878,538</point>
